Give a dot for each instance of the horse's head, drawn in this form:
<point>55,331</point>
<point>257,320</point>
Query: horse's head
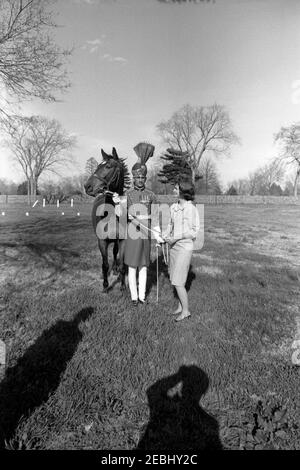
<point>111,175</point>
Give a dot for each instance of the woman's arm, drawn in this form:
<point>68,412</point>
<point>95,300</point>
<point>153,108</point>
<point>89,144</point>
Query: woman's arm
<point>191,223</point>
<point>169,230</point>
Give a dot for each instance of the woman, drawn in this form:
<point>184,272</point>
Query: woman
<point>180,234</point>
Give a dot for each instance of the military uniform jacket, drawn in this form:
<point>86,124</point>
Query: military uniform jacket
<point>142,206</point>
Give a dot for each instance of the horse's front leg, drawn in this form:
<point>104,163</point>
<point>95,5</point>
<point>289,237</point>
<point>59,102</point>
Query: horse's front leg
<point>115,254</point>
<point>122,267</point>
<point>103,246</point>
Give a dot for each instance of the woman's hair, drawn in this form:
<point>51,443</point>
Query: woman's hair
<point>187,190</point>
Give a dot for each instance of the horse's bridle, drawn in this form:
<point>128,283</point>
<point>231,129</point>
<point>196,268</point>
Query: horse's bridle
<point>106,191</point>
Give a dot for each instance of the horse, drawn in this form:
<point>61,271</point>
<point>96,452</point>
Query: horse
<point>111,176</point>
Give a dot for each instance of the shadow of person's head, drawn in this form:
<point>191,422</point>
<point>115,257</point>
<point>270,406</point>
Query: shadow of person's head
<point>82,316</point>
<point>195,383</point>
<point>177,420</point>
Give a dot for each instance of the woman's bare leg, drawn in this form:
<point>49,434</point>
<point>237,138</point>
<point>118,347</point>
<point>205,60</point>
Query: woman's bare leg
<point>183,299</point>
<point>178,310</point>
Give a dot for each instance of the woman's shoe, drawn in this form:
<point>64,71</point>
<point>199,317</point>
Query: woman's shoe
<point>144,302</point>
<point>182,316</point>
<point>134,303</point>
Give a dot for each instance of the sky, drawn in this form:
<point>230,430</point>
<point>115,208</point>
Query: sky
<point>136,62</point>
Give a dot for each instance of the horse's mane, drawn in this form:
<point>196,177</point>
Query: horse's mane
<point>126,174</point>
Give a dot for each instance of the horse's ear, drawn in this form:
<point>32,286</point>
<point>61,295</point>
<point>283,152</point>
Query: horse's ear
<point>104,155</point>
<point>114,154</point>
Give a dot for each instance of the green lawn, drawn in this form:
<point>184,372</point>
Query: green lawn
<point>83,365</point>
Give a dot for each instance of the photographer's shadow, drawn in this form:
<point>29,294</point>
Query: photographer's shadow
<point>177,421</point>
<point>37,374</point>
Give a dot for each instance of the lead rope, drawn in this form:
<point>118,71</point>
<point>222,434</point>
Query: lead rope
<point>165,253</point>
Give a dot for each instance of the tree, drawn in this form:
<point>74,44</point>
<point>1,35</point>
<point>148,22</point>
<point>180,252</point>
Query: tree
<point>197,130</point>
<point>49,191</point>
<point>276,190</point>
<point>63,189</point>
<point>288,139</point>
<point>176,168</point>
<point>23,188</point>
<point>31,64</point>
<point>261,180</point>
<point>39,145</point>
<point>288,188</point>
<point>154,182</point>
<point>91,166</point>
<point>242,186</point>
<point>271,173</point>
<point>232,191</point>
<point>8,187</point>
<point>72,186</point>
<point>209,183</point>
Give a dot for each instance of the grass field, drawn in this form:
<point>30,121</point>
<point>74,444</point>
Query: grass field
<point>87,371</point>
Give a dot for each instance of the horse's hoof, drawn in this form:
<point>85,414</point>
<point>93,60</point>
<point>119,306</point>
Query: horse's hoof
<point>105,289</point>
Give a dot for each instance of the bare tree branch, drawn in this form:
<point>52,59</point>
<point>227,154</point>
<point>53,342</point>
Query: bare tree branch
<point>38,144</point>
<point>197,130</point>
<point>31,64</point>
<point>288,139</point>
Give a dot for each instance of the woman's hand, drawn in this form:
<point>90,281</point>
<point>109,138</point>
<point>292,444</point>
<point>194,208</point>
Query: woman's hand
<point>116,198</point>
<point>170,240</point>
<point>159,239</point>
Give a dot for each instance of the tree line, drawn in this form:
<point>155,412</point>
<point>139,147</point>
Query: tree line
<point>32,65</point>
<point>201,135</point>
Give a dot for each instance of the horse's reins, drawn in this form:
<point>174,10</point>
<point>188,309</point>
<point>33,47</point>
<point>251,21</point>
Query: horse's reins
<point>100,178</point>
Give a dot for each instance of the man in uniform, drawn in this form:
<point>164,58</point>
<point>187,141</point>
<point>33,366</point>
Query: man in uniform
<point>142,208</point>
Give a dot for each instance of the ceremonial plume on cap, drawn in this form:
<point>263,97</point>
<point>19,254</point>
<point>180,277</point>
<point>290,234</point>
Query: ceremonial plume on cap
<point>144,151</point>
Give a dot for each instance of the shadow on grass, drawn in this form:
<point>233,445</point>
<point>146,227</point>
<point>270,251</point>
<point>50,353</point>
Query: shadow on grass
<point>163,269</point>
<point>152,270</point>
<point>177,421</point>
<point>37,373</point>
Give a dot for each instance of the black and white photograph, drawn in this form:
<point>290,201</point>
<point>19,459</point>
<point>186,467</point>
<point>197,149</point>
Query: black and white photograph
<point>149,228</point>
